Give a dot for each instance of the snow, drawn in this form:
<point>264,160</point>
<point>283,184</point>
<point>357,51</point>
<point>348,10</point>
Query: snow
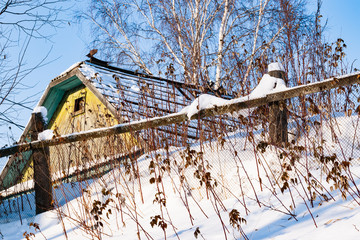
<point>267,85</point>
<point>275,66</point>
<point>46,135</point>
<point>88,71</point>
<point>70,68</point>
<point>202,102</point>
<point>335,219</point>
<point>42,110</point>
<point>135,88</point>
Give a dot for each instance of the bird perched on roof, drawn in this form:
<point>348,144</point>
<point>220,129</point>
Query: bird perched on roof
<point>96,60</point>
<point>92,53</point>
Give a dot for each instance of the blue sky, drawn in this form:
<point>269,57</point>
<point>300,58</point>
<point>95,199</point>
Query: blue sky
<point>69,45</point>
<point>344,22</point>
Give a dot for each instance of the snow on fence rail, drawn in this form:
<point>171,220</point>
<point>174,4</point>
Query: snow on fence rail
<point>230,106</point>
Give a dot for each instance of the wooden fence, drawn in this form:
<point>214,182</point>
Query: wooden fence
<point>232,106</point>
<point>182,117</point>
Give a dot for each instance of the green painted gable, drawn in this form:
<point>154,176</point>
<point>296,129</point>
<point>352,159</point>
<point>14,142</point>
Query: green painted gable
<point>56,94</point>
<point>51,102</point>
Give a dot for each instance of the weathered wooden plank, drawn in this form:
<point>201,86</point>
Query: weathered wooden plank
<point>95,170</point>
<point>315,87</point>
<point>233,106</point>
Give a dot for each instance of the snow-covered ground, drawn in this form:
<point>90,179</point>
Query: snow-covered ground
<point>185,208</point>
<point>234,187</point>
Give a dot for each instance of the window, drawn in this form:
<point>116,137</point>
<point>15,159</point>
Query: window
<point>79,105</point>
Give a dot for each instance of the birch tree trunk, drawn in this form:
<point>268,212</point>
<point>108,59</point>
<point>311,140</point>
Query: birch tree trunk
<point>220,54</point>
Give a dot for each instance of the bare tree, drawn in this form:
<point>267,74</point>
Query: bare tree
<point>212,41</point>
<point>20,22</point>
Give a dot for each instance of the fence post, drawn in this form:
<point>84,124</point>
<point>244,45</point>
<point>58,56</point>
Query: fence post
<point>42,177</point>
<point>278,133</point>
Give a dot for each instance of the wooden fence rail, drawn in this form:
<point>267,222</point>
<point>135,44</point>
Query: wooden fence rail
<point>232,106</point>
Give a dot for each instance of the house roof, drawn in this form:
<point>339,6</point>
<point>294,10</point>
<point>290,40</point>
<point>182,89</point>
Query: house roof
<point>137,95</point>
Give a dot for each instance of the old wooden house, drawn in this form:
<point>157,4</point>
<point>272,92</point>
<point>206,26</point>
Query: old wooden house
<point>93,94</point>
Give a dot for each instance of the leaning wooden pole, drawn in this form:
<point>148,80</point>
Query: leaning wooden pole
<point>42,175</point>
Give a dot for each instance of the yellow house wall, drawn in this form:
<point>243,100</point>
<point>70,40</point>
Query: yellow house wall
<point>65,157</point>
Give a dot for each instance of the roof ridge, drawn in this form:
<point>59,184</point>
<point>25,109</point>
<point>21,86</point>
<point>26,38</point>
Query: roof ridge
<point>137,73</point>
